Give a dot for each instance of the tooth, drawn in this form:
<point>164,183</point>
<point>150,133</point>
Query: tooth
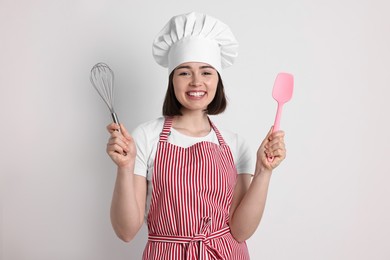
<point>196,94</point>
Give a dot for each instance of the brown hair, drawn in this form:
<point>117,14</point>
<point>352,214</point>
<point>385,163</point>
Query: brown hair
<point>172,106</point>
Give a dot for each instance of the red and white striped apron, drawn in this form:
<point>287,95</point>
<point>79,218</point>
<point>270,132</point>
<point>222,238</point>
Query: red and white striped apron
<point>192,193</point>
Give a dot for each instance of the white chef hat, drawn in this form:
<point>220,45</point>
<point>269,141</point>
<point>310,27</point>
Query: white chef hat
<point>195,37</point>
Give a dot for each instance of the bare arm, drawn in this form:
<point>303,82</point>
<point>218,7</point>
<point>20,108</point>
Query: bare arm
<point>250,196</point>
<point>129,196</point>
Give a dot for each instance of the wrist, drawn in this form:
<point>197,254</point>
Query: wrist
<point>126,169</point>
<point>262,171</point>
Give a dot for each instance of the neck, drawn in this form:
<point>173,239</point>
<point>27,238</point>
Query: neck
<point>193,124</point>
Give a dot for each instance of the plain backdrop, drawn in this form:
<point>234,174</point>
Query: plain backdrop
<point>328,200</point>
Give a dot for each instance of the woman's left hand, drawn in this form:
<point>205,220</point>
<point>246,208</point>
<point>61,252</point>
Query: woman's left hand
<point>272,146</point>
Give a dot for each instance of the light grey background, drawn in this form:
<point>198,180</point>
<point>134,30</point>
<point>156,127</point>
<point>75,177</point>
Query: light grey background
<point>329,199</point>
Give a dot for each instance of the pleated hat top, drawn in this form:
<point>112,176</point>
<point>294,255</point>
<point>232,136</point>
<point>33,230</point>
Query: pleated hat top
<point>195,37</point>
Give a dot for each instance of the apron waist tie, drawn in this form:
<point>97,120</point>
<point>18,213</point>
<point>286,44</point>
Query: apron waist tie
<point>200,241</point>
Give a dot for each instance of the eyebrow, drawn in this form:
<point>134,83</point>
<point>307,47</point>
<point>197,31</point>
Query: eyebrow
<point>201,67</point>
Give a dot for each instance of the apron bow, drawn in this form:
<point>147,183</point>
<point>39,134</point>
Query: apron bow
<point>199,246</point>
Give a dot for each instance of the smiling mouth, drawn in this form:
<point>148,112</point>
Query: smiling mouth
<point>196,93</point>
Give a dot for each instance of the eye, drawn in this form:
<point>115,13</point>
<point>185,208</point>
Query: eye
<point>207,73</point>
<point>183,73</point>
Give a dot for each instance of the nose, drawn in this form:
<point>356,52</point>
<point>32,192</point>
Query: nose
<point>196,81</point>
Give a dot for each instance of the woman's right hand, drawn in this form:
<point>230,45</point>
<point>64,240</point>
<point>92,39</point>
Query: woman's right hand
<point>121,146</point>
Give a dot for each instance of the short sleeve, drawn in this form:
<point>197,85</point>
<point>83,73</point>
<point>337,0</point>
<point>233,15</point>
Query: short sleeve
<point>245,157</point>
<point>141,161</point>
<point>146,137</point>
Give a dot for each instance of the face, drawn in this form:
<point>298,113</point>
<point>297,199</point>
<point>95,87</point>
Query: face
<point>195,85</point>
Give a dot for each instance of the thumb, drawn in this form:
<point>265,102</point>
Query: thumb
<point>124,131</point>
<point>270,131</point>
<point>266,139</point>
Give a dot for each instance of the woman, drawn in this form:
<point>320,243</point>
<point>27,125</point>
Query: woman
<point>195,184</point>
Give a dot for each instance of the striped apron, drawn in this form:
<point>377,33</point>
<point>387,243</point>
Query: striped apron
<point>192,193</point>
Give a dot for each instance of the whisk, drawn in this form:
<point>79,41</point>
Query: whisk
<point>102,79</point>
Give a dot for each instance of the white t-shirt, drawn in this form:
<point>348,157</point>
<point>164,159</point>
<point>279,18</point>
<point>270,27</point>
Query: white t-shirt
<point>147,135</point>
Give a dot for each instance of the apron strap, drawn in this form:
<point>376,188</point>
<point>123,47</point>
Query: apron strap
<point>166,129</point>
<point>219,136</point>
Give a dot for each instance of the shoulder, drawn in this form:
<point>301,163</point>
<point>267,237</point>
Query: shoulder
<point>149,131</point>
<point>235,141</point>
<point>149,127</point>
<point>241,151</point>
<point>230,137</point>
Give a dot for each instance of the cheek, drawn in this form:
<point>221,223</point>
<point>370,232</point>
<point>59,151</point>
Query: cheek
<point>213,85</point>
<point>177,86</point>
<point>177,94</point>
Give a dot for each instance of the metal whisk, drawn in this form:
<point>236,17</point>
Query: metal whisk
<point>102,79</point>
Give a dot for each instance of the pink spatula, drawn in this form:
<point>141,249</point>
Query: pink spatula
<point>282,93</point>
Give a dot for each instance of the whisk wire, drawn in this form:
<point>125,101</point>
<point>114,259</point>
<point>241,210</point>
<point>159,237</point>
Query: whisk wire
<point>102,79</point>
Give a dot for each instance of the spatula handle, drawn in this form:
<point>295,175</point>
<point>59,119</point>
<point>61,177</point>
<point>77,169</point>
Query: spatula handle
<point>278,117</point>
<point>276,124</point>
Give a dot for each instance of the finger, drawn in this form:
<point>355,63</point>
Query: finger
<point>118,138</point>
<point>266,140</point>
<point>115,148</point>
<point>275,144</point>
<point>278,153</point>
<point>118,134</point>
<point>276,137</point>
<point>119,141</point>
<point>276,134</point>
<point>117,157</point>
<point>273,152</point>
<point>125,132</point>
<point>270,131</point>
<point>112,127</point>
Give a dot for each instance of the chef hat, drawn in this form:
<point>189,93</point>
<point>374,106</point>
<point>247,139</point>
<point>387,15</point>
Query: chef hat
<point>195,37</point>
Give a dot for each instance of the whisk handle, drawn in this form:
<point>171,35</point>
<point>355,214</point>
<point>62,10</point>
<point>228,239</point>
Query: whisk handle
<point>115,119</point>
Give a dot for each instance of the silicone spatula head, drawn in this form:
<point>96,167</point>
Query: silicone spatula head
<point>282,92</point>
<point>283,87</point>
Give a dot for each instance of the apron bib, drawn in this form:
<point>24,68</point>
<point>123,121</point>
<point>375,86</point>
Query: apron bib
<point>191,197</point>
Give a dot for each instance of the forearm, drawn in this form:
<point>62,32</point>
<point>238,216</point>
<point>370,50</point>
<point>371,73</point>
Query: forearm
<point>126,213</point>
<point>247,216</point>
